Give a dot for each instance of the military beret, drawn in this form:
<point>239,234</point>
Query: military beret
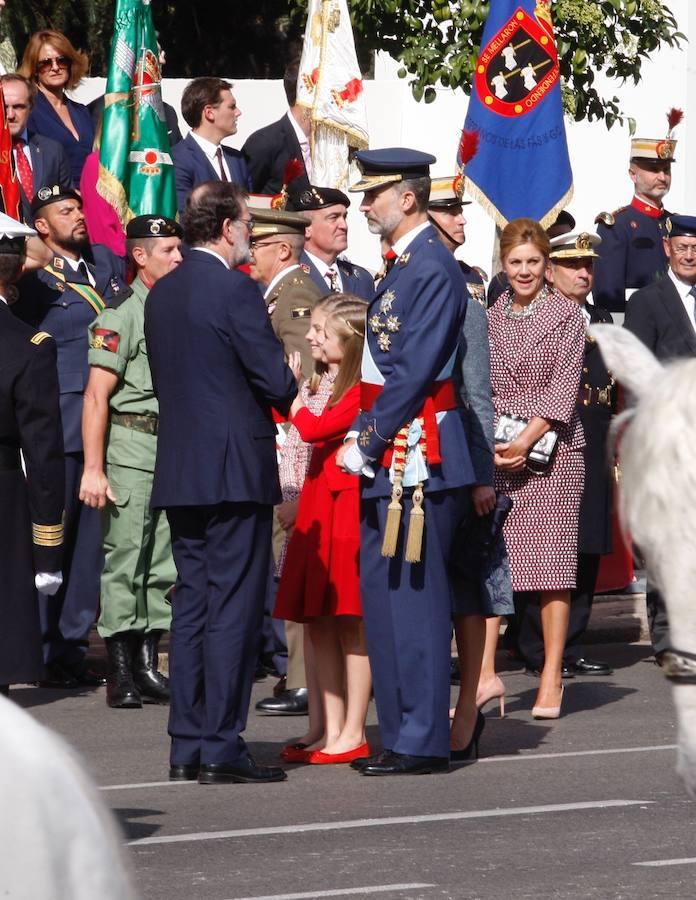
<point>577,245</point>
<point>276,221</point>
<point>389,165</point>
<point>13,235</point>
<point>303,197</point>
<point>153,227</point>
<point>681,226</point>
<point>52,194</point>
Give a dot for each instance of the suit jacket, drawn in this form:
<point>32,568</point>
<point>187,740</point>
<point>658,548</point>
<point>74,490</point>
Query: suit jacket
<point>192,167</point>
<point>356,280</point>
<point>413,329</point>
<point>49,165</point>
<point>473,378</point>
<point>44,120</point>
<point>49,303</point>
<point>267,153</point>
<point>96,109</point>
<point>290,305</point>
<point>595,523</point>
<point>631,254</point>
<point>657,316</point>
<point>217,370</point>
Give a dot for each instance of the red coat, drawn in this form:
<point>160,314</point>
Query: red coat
<point>321,576</point>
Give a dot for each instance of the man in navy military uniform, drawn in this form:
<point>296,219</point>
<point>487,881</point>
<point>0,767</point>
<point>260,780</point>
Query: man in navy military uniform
<point>572,261</point>
<point>326,238</point>
<point>662,316</point>
<point>632,251</point>
<point>217,370</point>
<point>62,299</point>
<point>446,212</point>
<point>410,445</point>
<point>31,526</point>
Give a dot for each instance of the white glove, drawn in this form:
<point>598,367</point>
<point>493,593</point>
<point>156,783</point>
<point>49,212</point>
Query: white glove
<point>356,462</point>
<point>48,582</point>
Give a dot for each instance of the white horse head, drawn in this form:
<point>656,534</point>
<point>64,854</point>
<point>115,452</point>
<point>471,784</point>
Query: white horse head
<point>658,497</point>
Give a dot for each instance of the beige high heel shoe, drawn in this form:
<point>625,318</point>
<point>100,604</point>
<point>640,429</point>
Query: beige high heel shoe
<point>497,692</point>
<point>549,712</point>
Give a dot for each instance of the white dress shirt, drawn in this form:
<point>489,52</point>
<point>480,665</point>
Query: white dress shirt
<point>213,253</point>
<point>74,265</point>
<point>324,268</point>
<point>210,149</point>
<point>685,295</point>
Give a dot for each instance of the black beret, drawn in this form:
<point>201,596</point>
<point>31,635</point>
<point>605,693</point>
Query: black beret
<point>303,197</point>
<point>52,194</point>
<point>153,227</point>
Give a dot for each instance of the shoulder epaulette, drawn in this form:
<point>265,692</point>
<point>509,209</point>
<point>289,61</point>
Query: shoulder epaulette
<point>118,299</point>
<point>39,337</point>
<point>607,218</point>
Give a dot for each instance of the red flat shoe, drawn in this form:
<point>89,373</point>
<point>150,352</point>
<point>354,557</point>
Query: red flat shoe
<point>296,753</point>
<point>319,758</point>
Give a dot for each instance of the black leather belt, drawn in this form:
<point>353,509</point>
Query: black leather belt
<point>146,424</point>
<point>9,459</point>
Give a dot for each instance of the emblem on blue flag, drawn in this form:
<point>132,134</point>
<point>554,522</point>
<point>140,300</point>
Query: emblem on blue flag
<point>522,167</point>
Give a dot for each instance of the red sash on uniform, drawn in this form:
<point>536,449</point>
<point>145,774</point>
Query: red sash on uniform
<point>441,398</point>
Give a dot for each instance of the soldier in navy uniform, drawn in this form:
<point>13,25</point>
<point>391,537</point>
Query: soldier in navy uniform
<point>63,298</point>
<point>31,527</point>
<point>409,443</point>
<point>446,212</point>
<point>632,252</point>
<point>326,238</point>
<point>217,370</point>
<point>573,257</point>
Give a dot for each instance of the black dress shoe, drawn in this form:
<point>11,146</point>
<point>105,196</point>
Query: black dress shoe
<point>567,671</point>
<point>584,666</point>
<point>57,676</point>
<point>362,761</point>
<point>184,773</point>
<point>245,771</point>
<point>289,703</point>
<point>403,764</point>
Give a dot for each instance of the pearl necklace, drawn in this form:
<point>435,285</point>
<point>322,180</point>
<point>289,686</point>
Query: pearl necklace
<point>527,310</point>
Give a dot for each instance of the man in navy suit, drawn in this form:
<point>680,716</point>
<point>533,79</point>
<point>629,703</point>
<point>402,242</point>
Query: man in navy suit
<point>269,150</point>
<point>325,238</point>
<point>42,160</point>
<point>210,109</point>
<point>217,370</point>
<point>410,445</point>
<point>63,298</point>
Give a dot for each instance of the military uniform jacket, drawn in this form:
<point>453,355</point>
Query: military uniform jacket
<point>413,329</point>
<point>631,253</point>
<point>29,419</point>
<point>217,369</point>
<point>117,343</point>
<point>595,525</point>
<point>355,279</point>
<point>49,302</point>
<point>290,304</point>
<point>474,283</point>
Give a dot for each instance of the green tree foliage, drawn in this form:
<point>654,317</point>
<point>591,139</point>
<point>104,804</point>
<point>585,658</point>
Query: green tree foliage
<point>436,41</point>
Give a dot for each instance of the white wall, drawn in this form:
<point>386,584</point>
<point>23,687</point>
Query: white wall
<point>599,157</point>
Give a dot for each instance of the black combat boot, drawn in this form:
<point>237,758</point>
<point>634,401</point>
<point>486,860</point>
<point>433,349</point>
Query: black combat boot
<point>121,691</point>
<point>153,685</point>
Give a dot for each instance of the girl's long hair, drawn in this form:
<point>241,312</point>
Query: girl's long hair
<point>347,320</point>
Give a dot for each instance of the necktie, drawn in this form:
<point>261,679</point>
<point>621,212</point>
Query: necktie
<point>218,155</point>
<point>26,177</point>
<point>389,260</point>
<point>82,269</point>
<point>332,278</point>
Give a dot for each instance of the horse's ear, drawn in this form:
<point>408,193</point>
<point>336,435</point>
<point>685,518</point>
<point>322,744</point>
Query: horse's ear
<point>627,358</point>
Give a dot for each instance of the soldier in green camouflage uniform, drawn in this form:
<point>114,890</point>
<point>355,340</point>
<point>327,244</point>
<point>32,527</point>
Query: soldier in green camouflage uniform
<point>119,428</point>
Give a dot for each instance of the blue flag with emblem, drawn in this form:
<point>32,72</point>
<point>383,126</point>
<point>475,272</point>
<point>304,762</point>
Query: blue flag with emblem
<point>522,167</point>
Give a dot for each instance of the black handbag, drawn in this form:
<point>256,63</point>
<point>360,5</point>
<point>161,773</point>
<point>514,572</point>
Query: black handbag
<point>541,454</point>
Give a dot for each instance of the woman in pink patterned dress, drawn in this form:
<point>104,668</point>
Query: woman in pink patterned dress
<point>537,339</point>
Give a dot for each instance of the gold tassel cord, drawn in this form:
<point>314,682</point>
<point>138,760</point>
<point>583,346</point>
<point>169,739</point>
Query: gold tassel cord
<point>391,529</point>
<point>416,526</point>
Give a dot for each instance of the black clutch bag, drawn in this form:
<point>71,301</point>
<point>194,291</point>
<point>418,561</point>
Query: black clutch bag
<point>541,454</point>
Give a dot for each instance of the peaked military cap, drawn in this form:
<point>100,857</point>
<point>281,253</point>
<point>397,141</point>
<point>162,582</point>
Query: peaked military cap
<point>276,221</point>
<point>447,192</point>
<point>647,151</point>
<point>576,245</point>
<point>153,227</point>
<point>13,235</point>
<point>390,165</point>
<point>681,226</point>
<point>52,194</point>
<point>303,196</point>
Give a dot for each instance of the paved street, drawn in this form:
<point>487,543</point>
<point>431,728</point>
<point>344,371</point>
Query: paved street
<point>571,809</point>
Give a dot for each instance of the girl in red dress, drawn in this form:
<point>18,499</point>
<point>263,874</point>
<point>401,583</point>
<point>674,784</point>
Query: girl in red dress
<point>320,584</point>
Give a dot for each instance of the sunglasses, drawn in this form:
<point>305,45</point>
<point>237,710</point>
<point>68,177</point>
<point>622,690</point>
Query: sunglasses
<point>61,62</point>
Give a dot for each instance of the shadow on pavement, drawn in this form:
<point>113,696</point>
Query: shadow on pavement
<point>134,830</point>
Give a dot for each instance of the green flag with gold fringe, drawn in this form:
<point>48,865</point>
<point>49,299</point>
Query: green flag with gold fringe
<point>136,171</point>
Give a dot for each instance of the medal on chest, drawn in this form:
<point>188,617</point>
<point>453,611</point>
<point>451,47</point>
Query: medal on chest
<point>384,323</point>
